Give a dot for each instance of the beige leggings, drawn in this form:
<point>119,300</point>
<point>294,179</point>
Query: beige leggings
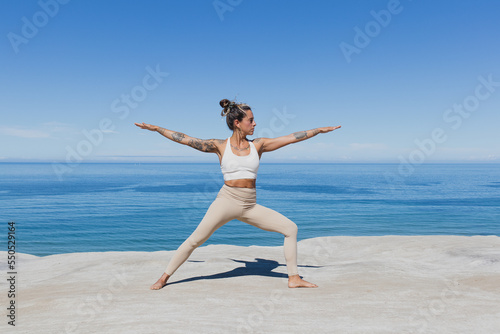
<point>239,203</point>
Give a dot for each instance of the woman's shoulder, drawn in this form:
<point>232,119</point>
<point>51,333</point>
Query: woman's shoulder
<point>258,143</point>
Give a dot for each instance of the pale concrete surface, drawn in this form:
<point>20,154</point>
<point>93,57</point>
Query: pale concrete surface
<point>390,284</point>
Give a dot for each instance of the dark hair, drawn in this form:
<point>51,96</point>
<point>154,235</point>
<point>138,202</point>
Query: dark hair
<point>233,111</point>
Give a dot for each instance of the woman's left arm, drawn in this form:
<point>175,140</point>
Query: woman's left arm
<point>271,144</point>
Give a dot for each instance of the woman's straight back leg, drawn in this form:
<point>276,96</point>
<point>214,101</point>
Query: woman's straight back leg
<point>221,211</point>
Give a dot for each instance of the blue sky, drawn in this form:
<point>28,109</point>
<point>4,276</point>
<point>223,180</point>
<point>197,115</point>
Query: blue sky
<point>415,81</point>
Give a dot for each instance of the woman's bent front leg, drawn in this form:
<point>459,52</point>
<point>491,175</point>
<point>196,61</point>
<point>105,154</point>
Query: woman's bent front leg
<point>271,220</point>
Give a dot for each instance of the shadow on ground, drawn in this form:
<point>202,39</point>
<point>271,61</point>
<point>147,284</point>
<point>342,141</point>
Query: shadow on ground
<point>259,267</point>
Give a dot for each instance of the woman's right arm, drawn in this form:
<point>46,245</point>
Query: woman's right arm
<point>204,145</point>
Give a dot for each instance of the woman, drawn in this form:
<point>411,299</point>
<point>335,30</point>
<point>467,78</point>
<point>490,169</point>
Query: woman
<point>239,159</point>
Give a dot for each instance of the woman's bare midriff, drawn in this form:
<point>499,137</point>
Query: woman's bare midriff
<point>241,183</point>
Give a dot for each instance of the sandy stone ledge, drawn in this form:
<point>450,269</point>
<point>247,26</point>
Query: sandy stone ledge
<point>389,284</point>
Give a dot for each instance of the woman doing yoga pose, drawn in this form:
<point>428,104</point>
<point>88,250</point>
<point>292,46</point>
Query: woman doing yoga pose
<point>239,160</point>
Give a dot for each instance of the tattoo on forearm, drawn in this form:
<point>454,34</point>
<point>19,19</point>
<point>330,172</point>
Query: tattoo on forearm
<point>178,136</point>
<point>161,131</point>
<point>300,134</point>
<point>315,132</point>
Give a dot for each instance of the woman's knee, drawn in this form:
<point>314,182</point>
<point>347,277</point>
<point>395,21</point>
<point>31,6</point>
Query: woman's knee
<point>291,230</point>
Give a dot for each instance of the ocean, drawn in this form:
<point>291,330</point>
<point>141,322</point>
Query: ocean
<point>152,207</point>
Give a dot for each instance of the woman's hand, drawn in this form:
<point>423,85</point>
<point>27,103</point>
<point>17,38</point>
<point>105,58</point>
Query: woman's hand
<point>328,129</point>
<point>147,126</point>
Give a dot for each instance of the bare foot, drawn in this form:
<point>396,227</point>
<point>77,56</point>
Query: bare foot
<point>296,282</point>
<point>161,282</point>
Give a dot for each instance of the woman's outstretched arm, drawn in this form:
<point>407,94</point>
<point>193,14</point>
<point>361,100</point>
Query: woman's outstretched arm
<point>271,144</point>
<point>204,145</point>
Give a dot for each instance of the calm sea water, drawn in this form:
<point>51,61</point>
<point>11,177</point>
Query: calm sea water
<point>150,207</point>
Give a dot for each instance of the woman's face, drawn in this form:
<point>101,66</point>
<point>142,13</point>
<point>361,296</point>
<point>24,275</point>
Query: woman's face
<point>247,124</point>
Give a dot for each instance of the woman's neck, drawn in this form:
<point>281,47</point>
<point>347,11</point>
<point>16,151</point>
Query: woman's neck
<point>238,139</point>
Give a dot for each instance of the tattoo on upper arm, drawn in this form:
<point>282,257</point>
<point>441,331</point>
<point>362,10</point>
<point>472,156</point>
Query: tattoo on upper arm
<point>178,136</point>
<point>196,143</point>
<point>203,145</point>
<point>300,134</point>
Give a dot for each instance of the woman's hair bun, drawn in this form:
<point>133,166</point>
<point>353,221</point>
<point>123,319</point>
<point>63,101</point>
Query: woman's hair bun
<point>227,105</point>
<point>224,103</point>
<point>233,110</point>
